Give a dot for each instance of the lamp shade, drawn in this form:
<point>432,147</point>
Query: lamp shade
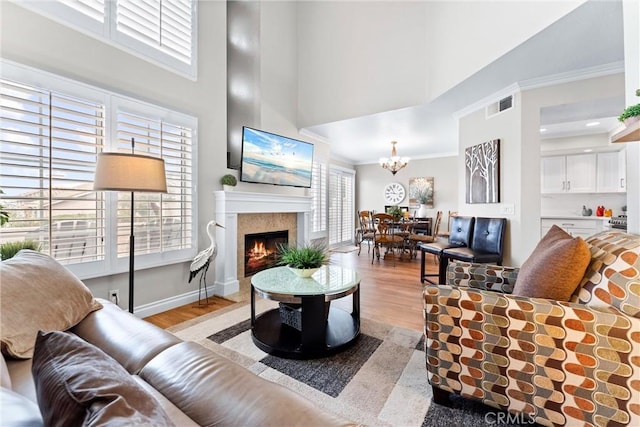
<point>129,172</point>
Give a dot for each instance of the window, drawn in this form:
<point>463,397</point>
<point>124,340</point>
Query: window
<point>319,198</point>
<point>49,140</point>
<point>162,221</point>
<point>341,206</point>
<point>162,31</point>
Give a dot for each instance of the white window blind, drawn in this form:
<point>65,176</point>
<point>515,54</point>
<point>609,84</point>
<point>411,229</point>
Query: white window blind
<point>163,24</point>
<point>162,222</point>
<point>341,207</point>
<point>319,198</point>
<point>51,130</point>
<point>161,31</point>
<point>48,147</point>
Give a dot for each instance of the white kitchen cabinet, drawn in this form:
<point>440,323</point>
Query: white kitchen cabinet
<point>554,174</point>
<point>574,226</point>
<point>568,174</point>
<point>612,172</point>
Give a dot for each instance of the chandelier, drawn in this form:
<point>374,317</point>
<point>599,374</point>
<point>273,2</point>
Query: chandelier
<point>394,163</point>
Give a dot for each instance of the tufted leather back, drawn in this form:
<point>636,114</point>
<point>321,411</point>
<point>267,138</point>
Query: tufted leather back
<point>488,235</point>
<point>461,230</point>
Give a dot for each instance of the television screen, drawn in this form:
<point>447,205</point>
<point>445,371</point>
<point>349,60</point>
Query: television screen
<point>268,158</point>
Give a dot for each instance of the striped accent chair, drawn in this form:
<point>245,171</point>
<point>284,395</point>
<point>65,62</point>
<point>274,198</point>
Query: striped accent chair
<point>570,363</point>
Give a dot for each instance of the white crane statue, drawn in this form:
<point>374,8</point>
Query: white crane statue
<point>201,262</point>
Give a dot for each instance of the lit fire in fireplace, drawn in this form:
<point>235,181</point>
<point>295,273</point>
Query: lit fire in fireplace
<point>259,251</point>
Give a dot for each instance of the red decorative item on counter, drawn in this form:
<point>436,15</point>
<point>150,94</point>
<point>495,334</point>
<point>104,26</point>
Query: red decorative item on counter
<point>600,211</point>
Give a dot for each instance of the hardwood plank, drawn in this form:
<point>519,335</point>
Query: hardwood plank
<point>187,312</point>
<point>389,292</point>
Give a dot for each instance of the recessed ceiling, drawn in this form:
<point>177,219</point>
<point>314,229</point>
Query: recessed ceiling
<point>581,118</point>
<point>592,34</point>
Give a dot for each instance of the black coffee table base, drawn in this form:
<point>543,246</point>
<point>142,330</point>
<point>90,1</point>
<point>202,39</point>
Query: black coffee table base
<point>316,338</point>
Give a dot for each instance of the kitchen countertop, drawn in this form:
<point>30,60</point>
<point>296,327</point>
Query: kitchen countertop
<point>601,218</point>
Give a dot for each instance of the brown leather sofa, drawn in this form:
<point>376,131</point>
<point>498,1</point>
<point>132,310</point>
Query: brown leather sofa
<point>193,385</point>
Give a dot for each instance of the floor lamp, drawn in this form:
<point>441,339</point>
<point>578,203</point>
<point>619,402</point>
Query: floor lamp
<point>130,172</point>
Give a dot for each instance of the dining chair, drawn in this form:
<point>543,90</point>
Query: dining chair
<point>365,231</point>
<point>384,235</point>
<point>415,238</point>
<point>446,234</point>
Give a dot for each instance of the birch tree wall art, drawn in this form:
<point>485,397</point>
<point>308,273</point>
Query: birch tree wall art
<point>482,176</point>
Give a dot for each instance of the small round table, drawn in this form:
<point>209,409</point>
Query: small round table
<point>319,329</point>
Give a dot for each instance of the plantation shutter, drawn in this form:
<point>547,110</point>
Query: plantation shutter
<point>162,221</point>
<point>341,207</point>
<point>319,198</point>
<point>48,147</point>
<point>92,8</point>
<point>163,24</point>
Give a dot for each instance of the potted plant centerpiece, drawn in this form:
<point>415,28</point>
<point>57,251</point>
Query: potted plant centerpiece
<point>395,212</point>
<point>631,114</point>
<point>303,260</point>
<point>228,181</point>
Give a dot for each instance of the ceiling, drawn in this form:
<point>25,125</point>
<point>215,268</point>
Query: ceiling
<point>589,37</point>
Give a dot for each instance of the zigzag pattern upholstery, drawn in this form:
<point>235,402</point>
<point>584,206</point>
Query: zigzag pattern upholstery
<point>560,363</point>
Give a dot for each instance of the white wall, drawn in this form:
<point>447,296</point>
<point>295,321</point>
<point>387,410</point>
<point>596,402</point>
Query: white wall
<point>631,17</point>
<point>465,36</point>
<point>476,128</point>
<point>358,58</point>
<point>36,41</point>
<point>372,179</point>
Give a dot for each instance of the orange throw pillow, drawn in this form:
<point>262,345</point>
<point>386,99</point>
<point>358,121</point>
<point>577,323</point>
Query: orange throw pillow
<point>555,267</point>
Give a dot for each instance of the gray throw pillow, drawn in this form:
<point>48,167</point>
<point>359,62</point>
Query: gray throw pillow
<point>78,384</point>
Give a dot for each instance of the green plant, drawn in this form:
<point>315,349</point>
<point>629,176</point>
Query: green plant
<point>229,179</point>
<point>394,211</point>
<point>308,256</point>
<point>4,215</point>
<point>631,111</point>
<point>10,249</point>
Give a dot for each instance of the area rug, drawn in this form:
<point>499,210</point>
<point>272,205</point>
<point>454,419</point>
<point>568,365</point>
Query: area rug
<point>345,249</point>
<point>379,381</point>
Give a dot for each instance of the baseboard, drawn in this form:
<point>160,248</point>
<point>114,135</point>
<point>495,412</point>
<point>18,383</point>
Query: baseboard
<point>159,306</point>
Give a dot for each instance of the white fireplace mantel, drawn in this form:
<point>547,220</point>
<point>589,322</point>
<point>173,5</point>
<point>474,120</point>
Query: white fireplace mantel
<point>231,203</point>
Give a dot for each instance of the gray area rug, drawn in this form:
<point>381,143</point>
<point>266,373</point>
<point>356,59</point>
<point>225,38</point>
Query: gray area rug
<point>379,381</point>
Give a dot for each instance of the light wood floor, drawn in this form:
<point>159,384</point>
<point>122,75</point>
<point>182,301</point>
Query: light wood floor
<point>388,293</point>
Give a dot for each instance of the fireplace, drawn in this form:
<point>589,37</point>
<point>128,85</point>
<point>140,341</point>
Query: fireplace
<point>261,249</point>
<point>260,212</point>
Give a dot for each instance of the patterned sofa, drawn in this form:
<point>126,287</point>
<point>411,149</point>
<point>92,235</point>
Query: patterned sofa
<point>558,363</point>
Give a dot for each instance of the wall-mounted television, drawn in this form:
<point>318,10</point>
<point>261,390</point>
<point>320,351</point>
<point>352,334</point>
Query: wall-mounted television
<point>268,158</point>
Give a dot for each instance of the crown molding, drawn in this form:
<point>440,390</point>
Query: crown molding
<point>306,132</point>
<point>539,82</point>
<point>574,75</point>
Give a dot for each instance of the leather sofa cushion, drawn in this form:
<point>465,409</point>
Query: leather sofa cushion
<point>234,395</point>
<point>174,413</point>
<point>77,384</point>
<point>5,378</point>
<point>38,293</point>
<point>17,410</point>
<point>129,340</point>
<point>555,267</point>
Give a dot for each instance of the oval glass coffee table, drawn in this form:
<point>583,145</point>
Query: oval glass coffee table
<point>305,326</point>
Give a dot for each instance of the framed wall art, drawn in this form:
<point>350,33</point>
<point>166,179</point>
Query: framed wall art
<point>482,177</point>
<point>421,192</point>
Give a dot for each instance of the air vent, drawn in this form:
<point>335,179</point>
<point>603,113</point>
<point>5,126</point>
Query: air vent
<point>498,107</point>
<point>506,103</point>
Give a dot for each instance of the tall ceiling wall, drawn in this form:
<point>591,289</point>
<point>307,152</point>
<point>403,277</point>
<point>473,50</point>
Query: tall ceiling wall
<point>360,58</point>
